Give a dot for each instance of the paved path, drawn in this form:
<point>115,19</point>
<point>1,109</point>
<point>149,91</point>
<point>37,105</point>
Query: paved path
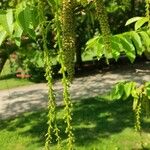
<point>27,98</point>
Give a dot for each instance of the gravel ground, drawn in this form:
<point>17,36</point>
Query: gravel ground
<point>33,97</point>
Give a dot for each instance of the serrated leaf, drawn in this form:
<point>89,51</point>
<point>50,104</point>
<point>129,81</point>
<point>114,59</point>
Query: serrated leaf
<point>128,47</point>
<point>24,18</point>
<point>17,34</point>
<point>141,22</point>
<point>116,47</point>
<point>132,20</point>
<point>3,35</point>
<point>90,43</point>
<point>145,39</point>
<point>128,87</point>
<point>115,50</point>
<point>137,42</point>
<point>118,91</point>
<point>6,20</point>
<point>94,47</point>
<point>34,17</point>
<point>27,21</point>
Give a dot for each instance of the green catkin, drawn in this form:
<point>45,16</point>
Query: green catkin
<point>68,36</point>
<point>138,109</point>
<point>147,7</point>
<point>104,25</point>
<point>138,117</point>
<point>67,54</point>
<point>146,105</point>
<point>52,120</point>
<point>147,108</point>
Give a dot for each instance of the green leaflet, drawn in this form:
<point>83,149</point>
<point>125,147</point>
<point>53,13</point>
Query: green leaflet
<point>91,43</point>
<point>137,42</point>
<point>3,35</point>
<point>141,22</point>
<point>28,20</point>
<point>129,42</point>
<point>128,47</point>
<point>122,90</point>
<point>17,34</point>
<point>115,50</point>
<point>118,91</point>
<point>116,47</point>
<point>128,88</point>
<point>145,39</point>
<point>100,48</point>
<point>6,20</point>
<point>132,20</point>
<point>94,47</point>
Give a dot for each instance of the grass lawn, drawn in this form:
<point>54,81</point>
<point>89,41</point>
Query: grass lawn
<point>98,125</point>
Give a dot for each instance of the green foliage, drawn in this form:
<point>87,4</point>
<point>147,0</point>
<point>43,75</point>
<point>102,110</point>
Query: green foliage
<point>140,95</point>
<point>131,43</point>
<point>132,20</point>
<point>28,20</point>
<point>139,22</point>
<point>3,34</point>
<point>6,20</point>
<point>6,24</point>
<point>15,22</point>
<point>26,62</point>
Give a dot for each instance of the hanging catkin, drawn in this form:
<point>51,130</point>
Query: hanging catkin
<point>67,55</point>
<point>52,120</point>
<point>147,7</point>
<point>68,36</point>
<point>104,25</point>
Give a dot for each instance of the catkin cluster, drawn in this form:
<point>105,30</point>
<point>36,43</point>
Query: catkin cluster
<point>67,63</point>
<point>52,114</point>
<point>142,105</point>
<point>68,36</point>
<point>147,7</point>
<point>104,25</point>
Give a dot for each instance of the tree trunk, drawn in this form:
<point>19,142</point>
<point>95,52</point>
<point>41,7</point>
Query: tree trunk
<point>3,58</point>
<point>132,12</point>
<point>78,53</point>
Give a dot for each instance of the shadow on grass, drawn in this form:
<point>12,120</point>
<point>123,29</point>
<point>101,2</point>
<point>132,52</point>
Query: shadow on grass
<point>93,119</point>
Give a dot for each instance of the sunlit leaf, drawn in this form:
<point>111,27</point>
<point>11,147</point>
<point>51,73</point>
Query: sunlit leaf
<point>132,20</point>
<point>141,22</point>
<point>6,20</point>
<point>137,42</point>
<point>3,34</point>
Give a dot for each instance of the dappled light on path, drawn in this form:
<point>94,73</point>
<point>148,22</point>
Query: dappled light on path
<point>28,98</point>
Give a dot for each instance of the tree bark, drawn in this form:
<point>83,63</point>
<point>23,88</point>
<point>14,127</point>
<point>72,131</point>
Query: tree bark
<point>132,12</point>
<point>78,53</point>
<point>3,58</point>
